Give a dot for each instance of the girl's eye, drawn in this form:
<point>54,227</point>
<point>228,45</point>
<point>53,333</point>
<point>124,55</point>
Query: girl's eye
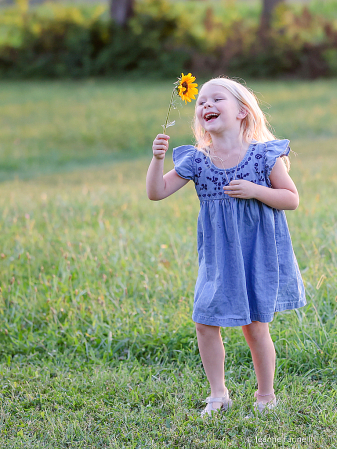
<point>218,99</point>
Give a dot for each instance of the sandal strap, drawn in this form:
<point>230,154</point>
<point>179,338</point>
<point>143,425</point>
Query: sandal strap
<point>258,394</point>
<point>209,400</point>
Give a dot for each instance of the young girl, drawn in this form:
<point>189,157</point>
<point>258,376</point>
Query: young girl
<point>247,267</point>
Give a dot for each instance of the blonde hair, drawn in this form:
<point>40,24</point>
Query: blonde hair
<point>253,127</point>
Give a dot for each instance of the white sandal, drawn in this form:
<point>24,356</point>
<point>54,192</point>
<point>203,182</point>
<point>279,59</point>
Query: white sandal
<point>264,407</point>
<point>226,404</point>
<point>260,407</point>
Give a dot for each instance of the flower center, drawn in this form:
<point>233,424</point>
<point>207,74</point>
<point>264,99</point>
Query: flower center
<point>185,86</point>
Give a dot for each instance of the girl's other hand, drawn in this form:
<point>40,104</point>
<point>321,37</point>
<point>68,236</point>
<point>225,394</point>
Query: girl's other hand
<point>160,146</point>
<point>240,188</point>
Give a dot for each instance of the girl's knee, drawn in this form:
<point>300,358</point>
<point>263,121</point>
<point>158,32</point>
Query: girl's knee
<point>204,329</point>
<point>255,329</point>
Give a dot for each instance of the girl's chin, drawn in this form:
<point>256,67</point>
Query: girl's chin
<point>213,129</point>
<point>211,126</point>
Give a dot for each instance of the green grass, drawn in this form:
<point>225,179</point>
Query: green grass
<point>97,344</point>
<point>48,127</point>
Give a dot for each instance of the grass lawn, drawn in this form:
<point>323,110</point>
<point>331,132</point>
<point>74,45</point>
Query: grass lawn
<point>97,345</point>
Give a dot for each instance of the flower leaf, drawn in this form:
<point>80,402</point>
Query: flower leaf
<point>168,125</point>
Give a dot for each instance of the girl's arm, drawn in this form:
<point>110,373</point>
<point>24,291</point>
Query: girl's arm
<point>158,186</point>
<point>283,195</point>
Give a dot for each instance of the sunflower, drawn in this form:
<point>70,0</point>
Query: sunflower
<point>186,88</point>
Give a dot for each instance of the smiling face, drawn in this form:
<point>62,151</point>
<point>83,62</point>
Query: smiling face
<point>218,110</point>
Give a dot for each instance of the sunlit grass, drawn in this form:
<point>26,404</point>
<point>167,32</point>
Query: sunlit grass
<point>54,126</point>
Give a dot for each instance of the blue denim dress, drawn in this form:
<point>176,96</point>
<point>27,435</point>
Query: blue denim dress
<point>247,266</point>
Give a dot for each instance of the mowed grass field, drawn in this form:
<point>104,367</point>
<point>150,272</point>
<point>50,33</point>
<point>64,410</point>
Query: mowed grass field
<point>97,345</point>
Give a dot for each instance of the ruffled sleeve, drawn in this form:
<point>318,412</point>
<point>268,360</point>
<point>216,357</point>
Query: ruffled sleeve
<point>274,149</point>
<point>183,159</point>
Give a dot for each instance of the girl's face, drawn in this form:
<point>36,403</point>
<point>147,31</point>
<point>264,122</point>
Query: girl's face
<point>217,109</point>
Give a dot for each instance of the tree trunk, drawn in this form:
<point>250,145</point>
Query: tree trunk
<point>121,11</point>
<point>267,12</point>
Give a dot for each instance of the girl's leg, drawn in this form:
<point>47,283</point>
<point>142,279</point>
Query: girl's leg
<point>263,355</point>
<point>212,354</point>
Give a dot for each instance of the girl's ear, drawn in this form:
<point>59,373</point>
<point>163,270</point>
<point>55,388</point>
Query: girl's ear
<point>243,113</point>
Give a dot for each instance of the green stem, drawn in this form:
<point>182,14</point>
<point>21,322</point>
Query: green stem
<point>169,110</point>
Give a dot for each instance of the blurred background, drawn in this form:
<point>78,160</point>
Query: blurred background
<point>77,76</point>
<point>158,38</point>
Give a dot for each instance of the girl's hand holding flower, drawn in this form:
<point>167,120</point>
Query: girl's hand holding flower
<point>158,186</point>
<point>160,146</point>
<point>186,89</point>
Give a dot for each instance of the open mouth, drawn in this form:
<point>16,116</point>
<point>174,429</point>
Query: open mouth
<point>211,116</point>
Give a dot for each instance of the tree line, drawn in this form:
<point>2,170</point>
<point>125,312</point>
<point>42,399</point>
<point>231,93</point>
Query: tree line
<point>122,10</point>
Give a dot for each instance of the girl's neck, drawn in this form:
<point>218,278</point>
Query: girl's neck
<point>228,144</point>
